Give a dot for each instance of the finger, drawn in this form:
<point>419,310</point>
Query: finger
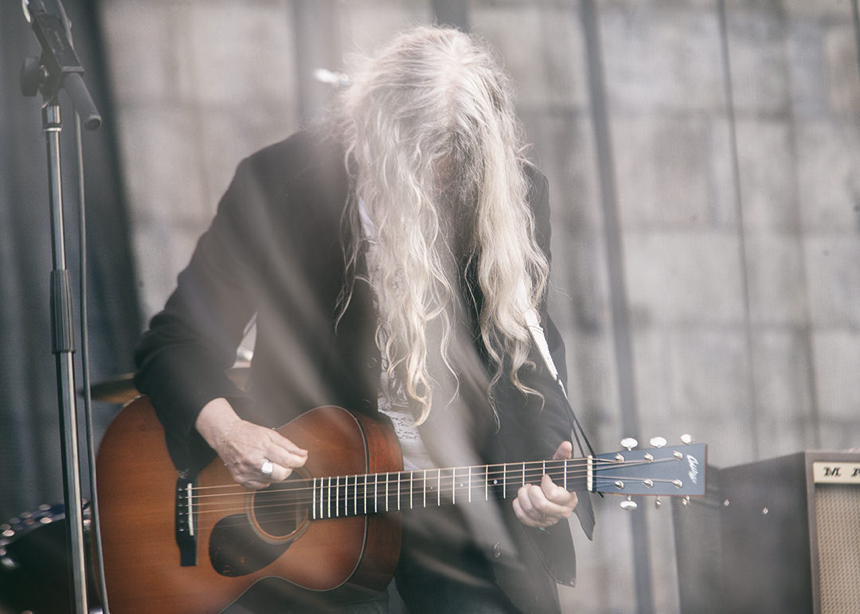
<point>285,453</point>
<point>249,477</point>
<point>531,516</point>
<point>286,444</point>
<point>522,516</point>
<point>279,473</point>
<point>254,484</point>
<point>545,506</point>
<point>560,497</point>
<point>556,493</point>
<point>565,450</point>
<point>527,505</point>
<point>282,464</point>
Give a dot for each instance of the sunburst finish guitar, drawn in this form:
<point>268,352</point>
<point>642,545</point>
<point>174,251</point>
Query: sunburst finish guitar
<point>194,544</point>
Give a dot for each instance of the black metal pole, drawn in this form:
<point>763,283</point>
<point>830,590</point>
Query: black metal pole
<point>63,349</point>
<point>59,68</point>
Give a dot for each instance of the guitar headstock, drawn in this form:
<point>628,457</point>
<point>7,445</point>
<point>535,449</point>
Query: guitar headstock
<point>664,471</point>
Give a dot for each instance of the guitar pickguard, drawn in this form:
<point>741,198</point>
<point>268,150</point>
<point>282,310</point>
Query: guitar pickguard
<point>241,544</point>
<point>236,549</point>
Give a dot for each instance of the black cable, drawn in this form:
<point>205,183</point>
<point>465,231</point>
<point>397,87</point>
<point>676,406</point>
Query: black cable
<point>85,371</point>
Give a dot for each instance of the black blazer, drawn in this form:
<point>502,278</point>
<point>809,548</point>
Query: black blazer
<point>276,249</point>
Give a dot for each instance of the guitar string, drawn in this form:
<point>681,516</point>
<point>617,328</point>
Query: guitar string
<point>362,491</point>
<point>280,512</point>
<point>349,493</point>
<point>344,507</point>
<point>572,474</point>
<point>242,521</point>
<point>575,467</point>
<point>297,497</point>
<point>448,474</point>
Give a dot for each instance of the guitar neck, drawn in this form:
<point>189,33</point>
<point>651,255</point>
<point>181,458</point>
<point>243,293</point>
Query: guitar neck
<point>673,471</point>
<point>357,495</point>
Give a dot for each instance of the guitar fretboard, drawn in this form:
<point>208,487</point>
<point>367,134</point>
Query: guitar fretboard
<point>357,495</point>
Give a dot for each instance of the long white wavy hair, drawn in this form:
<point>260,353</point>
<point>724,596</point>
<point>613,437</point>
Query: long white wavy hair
<point>435,150</point>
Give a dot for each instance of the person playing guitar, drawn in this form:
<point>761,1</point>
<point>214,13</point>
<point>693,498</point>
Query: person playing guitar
<point>390,258</point>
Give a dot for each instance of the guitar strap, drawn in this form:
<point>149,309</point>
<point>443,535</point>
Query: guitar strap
<point>584,510</point>
<point>539,338</point>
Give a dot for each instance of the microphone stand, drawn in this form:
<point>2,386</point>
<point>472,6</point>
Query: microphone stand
<point>58,68</point>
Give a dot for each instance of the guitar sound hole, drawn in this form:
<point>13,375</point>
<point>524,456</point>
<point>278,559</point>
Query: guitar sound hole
<point>281,509</point>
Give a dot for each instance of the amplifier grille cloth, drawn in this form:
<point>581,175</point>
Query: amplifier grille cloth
<point>838,509</point>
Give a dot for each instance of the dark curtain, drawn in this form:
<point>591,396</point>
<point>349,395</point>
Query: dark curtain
<point>30,459</point>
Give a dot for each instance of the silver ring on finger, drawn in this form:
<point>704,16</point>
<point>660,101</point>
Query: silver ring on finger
<point>268,468</point>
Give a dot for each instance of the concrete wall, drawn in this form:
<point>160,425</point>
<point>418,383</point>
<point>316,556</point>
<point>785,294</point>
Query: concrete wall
<point>731,143</point>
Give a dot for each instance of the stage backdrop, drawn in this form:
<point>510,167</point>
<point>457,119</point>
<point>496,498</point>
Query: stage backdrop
<point>30,469</point>
<point>704,162</point>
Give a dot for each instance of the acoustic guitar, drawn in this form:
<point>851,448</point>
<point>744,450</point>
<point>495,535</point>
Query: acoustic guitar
<point>195,544</point>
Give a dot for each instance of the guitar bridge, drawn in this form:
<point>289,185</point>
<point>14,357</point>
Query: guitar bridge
<point>186,522</point>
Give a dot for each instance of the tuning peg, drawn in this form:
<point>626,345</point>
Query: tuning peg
<point>629,443</point>
<point>658,503</point>
<point>686,439</point>
<point>658,442</point>
<point>629,504</point>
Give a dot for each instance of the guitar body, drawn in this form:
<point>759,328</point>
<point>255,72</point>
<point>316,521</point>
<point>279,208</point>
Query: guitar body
<point>234,544</point>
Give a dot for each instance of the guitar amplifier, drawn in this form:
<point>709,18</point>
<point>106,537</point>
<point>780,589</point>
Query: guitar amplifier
<point>781,535</point>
